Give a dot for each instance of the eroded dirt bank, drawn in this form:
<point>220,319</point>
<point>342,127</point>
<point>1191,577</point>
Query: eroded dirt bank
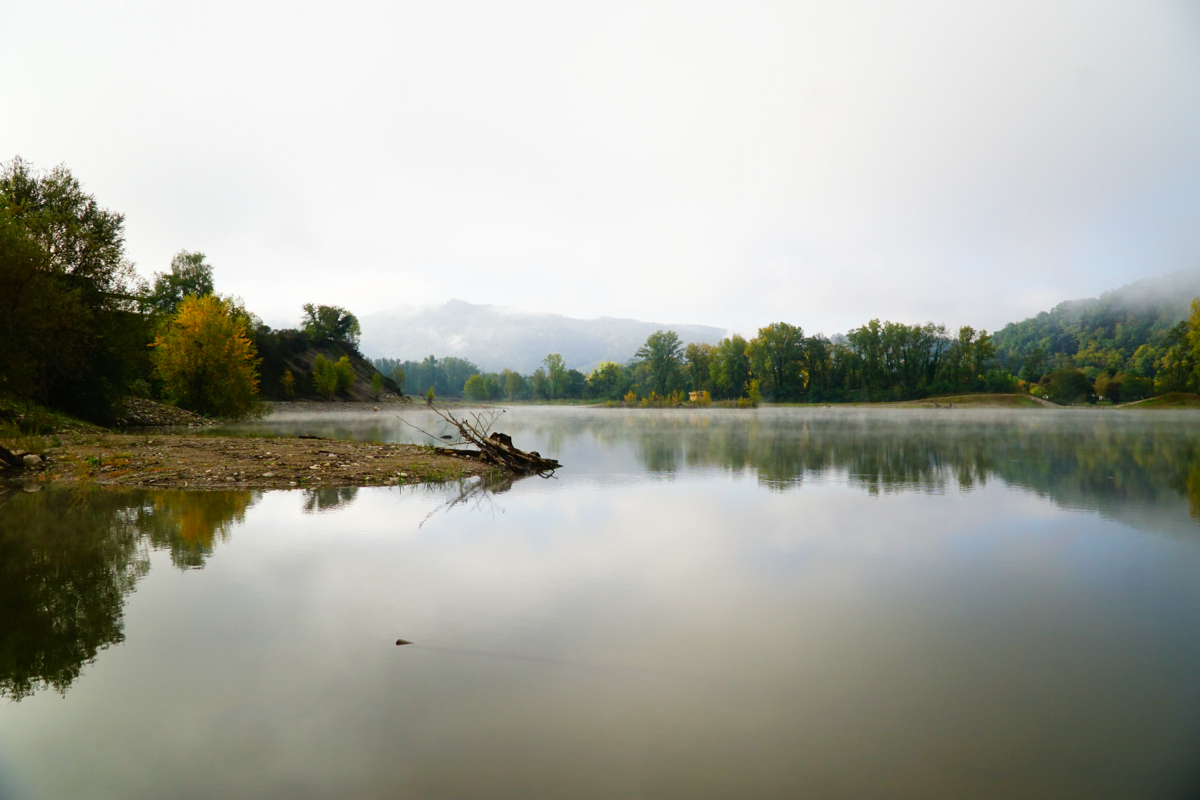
<point>168,460</point>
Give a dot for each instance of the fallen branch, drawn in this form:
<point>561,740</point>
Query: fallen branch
<point>11,459</point>
<point>475,428</point>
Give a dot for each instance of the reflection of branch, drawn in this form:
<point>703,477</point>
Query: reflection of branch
<point>478,492</point>
<point>7,494</point>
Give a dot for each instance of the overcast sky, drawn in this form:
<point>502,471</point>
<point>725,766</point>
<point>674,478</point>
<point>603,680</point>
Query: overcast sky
<point>722,163</point>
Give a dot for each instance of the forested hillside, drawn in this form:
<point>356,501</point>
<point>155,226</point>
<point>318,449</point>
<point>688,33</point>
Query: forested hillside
<point>1129,330</point>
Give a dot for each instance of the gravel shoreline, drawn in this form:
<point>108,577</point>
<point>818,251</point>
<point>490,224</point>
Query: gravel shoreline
<point>170,460</point>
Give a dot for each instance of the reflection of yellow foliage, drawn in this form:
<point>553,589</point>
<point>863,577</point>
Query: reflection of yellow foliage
<point>1192,484</point>
<point>206,360</point>
<point>189,523</point>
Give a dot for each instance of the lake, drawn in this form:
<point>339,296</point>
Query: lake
<point>794,602</point>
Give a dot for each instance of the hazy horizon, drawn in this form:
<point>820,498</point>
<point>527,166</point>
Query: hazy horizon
<point>727,165</point>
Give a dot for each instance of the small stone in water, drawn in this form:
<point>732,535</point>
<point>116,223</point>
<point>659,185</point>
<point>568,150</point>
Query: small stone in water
<point>402,641</point>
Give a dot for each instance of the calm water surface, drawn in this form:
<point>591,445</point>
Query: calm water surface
<point>772,603</point>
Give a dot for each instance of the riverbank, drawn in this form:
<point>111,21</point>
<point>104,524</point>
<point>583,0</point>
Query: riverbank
<point>180,461</point>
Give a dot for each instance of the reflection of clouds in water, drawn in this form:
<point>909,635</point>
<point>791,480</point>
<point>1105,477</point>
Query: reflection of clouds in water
<point>813,629</point>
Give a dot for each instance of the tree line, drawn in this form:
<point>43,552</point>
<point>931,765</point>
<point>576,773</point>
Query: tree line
<point>879,361</point>
<point>876,362</point>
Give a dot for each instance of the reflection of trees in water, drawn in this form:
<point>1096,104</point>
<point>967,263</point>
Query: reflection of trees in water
<point>67,562</point>
<point>1069,458</point>
<point>329,498</point>
<point>189,524</point>
<point>65,568</point>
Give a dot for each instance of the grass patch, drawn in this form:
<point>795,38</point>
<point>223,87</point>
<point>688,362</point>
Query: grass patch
<point>984,401</point>
<point>1169,400</point>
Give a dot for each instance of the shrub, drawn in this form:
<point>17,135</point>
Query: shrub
<point>289,383</point>
<point>325,377</point>
<point>376,386</point>
<point>1134,387</point>
<point>345,374</point>
<point>1065,386</point>
<point>476,388</point>
<point>754,394</point>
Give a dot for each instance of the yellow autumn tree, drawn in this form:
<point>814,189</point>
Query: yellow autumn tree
<point>206,359</point>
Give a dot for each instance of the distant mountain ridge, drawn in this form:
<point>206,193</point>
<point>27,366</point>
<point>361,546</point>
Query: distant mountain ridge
<point>498,337</point>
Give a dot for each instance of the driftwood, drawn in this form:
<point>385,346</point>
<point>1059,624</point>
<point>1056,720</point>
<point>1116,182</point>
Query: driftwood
<point>10,459</point>
<point>475,428</point>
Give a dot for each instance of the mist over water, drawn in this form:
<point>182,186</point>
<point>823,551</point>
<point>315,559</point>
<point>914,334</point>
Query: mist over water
<point>782,602</point>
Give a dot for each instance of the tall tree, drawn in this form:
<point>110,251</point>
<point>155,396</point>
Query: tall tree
<point>206,359</point>
<point>731,367</point>
<point>540,384</point>
<point>189,275</point>
<point>697,365</point>
<point>70,336</point>
<point>607,381</point>
<point>663,356</point>
<point>777,357</point>
<point>332,323</point>
<point>556,373</point>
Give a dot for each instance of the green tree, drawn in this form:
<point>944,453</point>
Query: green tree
<point>206,360</point>
<point>70,334</point>
<point>731,367</point>
<point>331,323</point>
<point>662,355</point>
<point>189,275</point>
<point>607,381</point>
<point>777,357</point>
<point>325,376</point>
<point>1033,367</point>
<point>1177,364</point>
<point>697,366</point>
<point>574,384</point>
<point>1193,323</point>
<point>476,389</point>
<point>556,372</point>
<point>819,364</point>
<point>1065,386</point>
<point>376,386</point>
<point>344,371</point>
<point>540,385</point>
<point>514,385</point>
